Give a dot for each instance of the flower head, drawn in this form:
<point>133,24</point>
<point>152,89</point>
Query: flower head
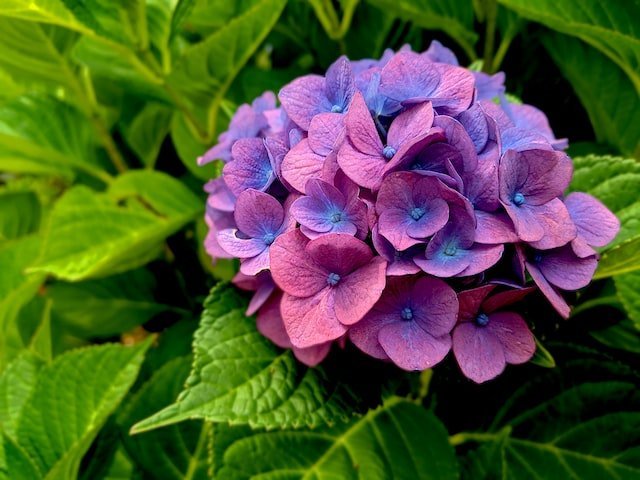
<point>486,338</point>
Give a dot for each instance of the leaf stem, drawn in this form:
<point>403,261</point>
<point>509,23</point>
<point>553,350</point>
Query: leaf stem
<point>491,12</point>
<point>464,437</point>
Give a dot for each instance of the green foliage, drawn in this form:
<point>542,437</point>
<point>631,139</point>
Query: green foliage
<point>105,106</point>
<point>239,376</point>
<point>386,443</point>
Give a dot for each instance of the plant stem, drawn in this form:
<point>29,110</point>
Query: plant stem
<point>491,12</point>
<point>464,437</point>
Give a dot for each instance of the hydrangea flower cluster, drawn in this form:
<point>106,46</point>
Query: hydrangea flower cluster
<point>399,204</point>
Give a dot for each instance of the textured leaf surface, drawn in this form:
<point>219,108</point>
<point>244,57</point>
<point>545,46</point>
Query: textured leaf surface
<point>71,401</point>
<point>628,287</point>
<point>586,426</point>
<point>91,235</point>
<point>239,376</point>
<point>16,384</point>
<point>20,214</point>
<point>173,453</point>
<point>47,11</point>
<point>623,335</point>
<point>400,440</point>
<point>107,306</point>
<point>612,102</point>
<point>610,26</point>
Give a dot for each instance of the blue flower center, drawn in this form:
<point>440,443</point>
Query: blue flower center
<point>336,217</point>
<point>407,313</point>
<point>450,250</point>
<point>518,199</point>
<point>268,238</point>
<point>537,258</point>
<point>333,279</point>
<point>482,320</point>
<point>388,152</point>
<point>336,109</point>
<point>417,213</point>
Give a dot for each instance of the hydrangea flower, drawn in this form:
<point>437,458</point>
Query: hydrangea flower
<point>487,338</point>
<point>383,202</point>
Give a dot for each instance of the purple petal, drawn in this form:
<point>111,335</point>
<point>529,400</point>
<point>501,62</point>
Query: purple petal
<point>557,224</point>
<point>359,291</point>
<point>548,291</point>
<point>220,197</point>
<point>489,87</point>
<point>312,356</point>
<point>538,175</point>
<point>435,306</point>
<point>407,76</point>
<point>361,129</point>
<point>526,222</point>
<point>257,264</point>
<point>364,169</point>
<point>411,348</point>
<point>439,53</point>
<point>326,132</point>
<point>471,300</point>
<point>398,262</point>
<point>410,126</point>
<point>258,213</point>
<point>304,98</point>
<point>240,247</point>
<point>250,168</point>
<point>494,228</point>
<point>340,84</point>
<point>301,164</point>
<point>270,324</point>
<point>562,268</point>
<point>312,320</point>
<point>513,333</point>
<point>595,223</point>
<point>364,334</point>
<point>478,351</point>
<point>338,253</point>
<point>293,269</point>
<point>481,258</point>
<point>459,139</point>
<point>528,117</point>
<point>454,93</point>
<point>506,298</point>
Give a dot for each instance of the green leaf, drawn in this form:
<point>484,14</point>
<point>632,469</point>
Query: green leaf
<point>205,70</point>
<point>20,214</point>
<point>239,376</point>
<point>628,287</point>
<point>37,53</point>
<point>109,238</point>
<point>611,27</point>
<point>73,397</point>
<point>56,140</point>
<point>542,357</point>
<point>612,102</point>
<point>17,463</point>
<point>455,18</point>
<point>189,148</point>
<point>16,384</point>
<point>107,306</point>
<point>623,335</point>
<point>399,440</point>
<point>41,343</point>
<point>16,290</point>
<point>121,21</point>
<point>582,421</point>
<point>175,452</point>
<point>46,11</point>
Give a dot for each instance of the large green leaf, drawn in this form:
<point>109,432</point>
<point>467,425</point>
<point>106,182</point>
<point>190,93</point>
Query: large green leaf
<point>399,440</point>
<point>205,70</point>
<point>16,290</point>
<point>580,422</point>
<point>623,335</point>
<point>177,451</point>
<point>20,214</point>
<point>46,11</point>
<point>612,102</point>
<point>628,287</point>
<point>147,131</point>
<point>239,376</point>
<point>16,384</point>
<point>70,402</point>
<point>91,235</point>
<point>107,306</point>
<point>610,26</point>
<point>43,134</point>
<point>454,17</point>
<point>37,53</point>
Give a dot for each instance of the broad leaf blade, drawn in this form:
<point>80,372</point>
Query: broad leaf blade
<point>72,399</point>
<point>239,376</point>
<point>400,440</point>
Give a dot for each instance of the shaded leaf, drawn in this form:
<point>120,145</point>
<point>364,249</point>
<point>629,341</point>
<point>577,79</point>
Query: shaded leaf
<point>623,335</point>
<point>20,214</point>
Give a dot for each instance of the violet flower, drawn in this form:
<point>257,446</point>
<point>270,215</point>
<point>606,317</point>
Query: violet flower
<point>410,209</point>
<point>310,95</point>
<point>486,339</point>
<point>410,324</point>
<point>364,158</point>
<point>330,283</point>
<point>331,209</point>
<point>530,183</point>
<point>596,225</point>
<point>398,262</point>
<point>260,219</point>
<point>261,285</point>
<point>251,167</point>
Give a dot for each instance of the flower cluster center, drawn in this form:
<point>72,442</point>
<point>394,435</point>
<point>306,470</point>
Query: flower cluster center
<point>518,199</point>
<point>451,250</point>
<point>388,152</point>
<point>482,320</point>
<point>269,238</point>
<point>336,109</point>
<point>333,279</point>
<point>336,217</point>
<point>407,313</point>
